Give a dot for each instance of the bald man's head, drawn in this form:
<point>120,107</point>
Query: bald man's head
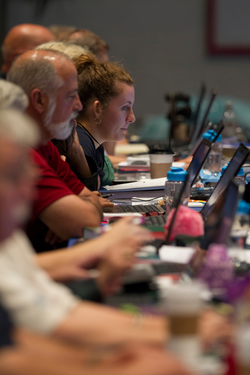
<point>22,38</point>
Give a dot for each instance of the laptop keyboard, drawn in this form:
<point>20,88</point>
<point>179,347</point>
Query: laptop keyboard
<point>155,220</point>
<point>142,209</point>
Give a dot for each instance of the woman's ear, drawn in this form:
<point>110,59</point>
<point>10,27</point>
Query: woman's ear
<point>39,100</point>
<point>97,109</point>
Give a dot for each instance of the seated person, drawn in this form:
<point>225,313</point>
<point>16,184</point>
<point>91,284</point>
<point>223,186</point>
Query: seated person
<point>63,205</point>
<point>23,353</point>
<point>99,48</point>
<point>32,299</point>
<point>22,38</point>
<point>93,42</point>
<point>106,92</point>
<point>102,252</point>
<point>82,165</point>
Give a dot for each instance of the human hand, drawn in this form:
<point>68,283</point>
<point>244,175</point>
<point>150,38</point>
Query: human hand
<point>124,231</point>
<point>125,240</point>
<point>112,268</point>
<point>103,201</point>
<point>187,160</point>
<point>52,238</point>
<point>215,328</point>
<point>139,360</point>
<point>77,270</point>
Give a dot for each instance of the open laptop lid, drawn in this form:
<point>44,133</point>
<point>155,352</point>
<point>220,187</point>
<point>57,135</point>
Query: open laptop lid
<point>202,123</point>
<point>199,159</point>
<point>234,166</point>
<point>176,204</point>
<point>220,218</point>
<point>217,128</point>
<point>199,102</point>
<point>201,154</point>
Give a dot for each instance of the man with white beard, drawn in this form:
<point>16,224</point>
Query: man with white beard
<point>63,206</point>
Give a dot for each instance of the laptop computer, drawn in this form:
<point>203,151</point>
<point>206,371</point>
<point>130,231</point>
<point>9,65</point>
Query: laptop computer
<point>234,166</point>
<point>202,123</point>
<point>199,102</point>
<point>201,154</point>
<point>220,219</point>
<point>143,209</point>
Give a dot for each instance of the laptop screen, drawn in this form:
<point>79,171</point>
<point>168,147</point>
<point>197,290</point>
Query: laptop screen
<point>220,219</point>
<point>202,123</point>
<point>198,160</point>
<point>176,204</point>
<point>234,166</point>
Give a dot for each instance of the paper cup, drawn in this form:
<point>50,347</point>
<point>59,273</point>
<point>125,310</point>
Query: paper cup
<point>160,162</point>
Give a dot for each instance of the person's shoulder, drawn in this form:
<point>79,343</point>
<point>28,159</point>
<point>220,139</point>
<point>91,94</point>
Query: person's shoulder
<point>86,141</point>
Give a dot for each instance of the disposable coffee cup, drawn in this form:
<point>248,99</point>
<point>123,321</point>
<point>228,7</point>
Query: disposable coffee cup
<point>160,162</point>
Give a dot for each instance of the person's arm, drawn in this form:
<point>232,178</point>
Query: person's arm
<point>123,233</point>
<point>67,216</point>
<point>104,360</point>
<point>91,323</point>
<point>86,193</point>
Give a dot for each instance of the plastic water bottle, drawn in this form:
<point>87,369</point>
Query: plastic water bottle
<point>240,226</point>
<point>214,158</point>
<point>175,180</point>
<point>239,178</point>
<point>231,129</point>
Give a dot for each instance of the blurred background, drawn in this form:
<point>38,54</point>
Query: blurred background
<point>163,43</point>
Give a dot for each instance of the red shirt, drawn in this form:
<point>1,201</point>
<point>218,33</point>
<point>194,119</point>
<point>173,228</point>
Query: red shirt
<point>56,181</point>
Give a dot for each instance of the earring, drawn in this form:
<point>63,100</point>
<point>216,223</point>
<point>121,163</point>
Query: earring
<point>97,121</point>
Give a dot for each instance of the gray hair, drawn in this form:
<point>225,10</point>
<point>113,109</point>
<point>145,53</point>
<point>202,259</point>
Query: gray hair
<point>18,128</point>
<point>68,48</point>
<point>36,72</point>
<point>12,96</point>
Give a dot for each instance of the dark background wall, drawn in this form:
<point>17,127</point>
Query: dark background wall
<point>161,42</point>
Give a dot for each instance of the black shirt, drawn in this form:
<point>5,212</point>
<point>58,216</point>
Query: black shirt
<point>88,145</point>
<point>5,328</point>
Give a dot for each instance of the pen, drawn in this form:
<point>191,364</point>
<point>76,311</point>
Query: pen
<point>107,195</point>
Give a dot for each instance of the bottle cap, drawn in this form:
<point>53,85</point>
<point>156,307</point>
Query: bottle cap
<point>243,207</point>
<point>176,174</point>
<point>240,173</point>
<point>210,135</point>
<point>228,105</point>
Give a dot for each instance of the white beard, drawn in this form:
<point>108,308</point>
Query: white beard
<point>61,130</point>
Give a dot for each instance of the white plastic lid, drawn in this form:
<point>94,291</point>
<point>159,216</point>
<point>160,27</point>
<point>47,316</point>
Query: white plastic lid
<point>184,299</point>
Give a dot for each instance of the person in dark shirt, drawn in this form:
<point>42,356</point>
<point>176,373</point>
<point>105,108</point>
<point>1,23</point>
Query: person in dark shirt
<point>106,91</point>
